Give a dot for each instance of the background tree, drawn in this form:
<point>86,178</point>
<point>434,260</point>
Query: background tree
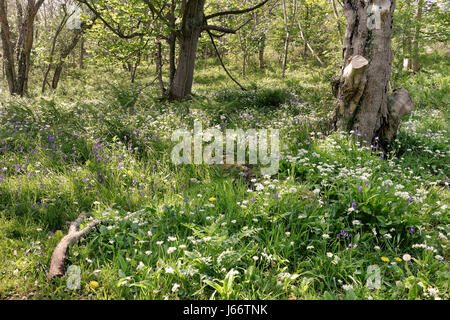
<point>17,54</point>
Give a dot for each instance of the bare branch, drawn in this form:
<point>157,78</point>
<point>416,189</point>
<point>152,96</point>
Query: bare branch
<point>218,28</point>
<point>221,62</point>
<point>224,30</point>
<point>60,253</point>
<point>230,12</point>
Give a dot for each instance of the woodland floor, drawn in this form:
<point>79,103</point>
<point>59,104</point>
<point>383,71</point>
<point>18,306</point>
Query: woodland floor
<point>313,231</point>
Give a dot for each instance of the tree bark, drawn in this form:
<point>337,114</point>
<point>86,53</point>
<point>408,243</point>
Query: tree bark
<point>336,16</point>
<point>172,43</point>
<point>82,53</point>
<point>158,64</point>
<point>307,45</point>
<point>288,29</point>
<point>415,64</point>
<point>67,50</point>
<point>60,253</point>
<point>363,104</point>
<point>52,50</point>
<point>18,79</point>
<point>261,49</point>
<point>191,28</point>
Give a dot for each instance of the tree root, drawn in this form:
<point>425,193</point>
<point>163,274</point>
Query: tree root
<point>60,253</point>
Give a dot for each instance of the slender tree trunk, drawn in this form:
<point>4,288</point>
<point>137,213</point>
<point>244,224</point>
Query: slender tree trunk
<point>52,51</point>
<point>261,42</point>
<point>191,29</point>
<point>307,45</point>
<point>336,16</point>
<point>172,43</point>
<point>288,28</point>
<point>415,64</point>
<point>82,53</point>
<point>67,50</point>
<point>158,64</point>
<point>262,47</point>
<point>205,57</point>
<point>363,104</point>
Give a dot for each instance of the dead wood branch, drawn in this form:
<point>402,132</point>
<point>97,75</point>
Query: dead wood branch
<point>60,253</point>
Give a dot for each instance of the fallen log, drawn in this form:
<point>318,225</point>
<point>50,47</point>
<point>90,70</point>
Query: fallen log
<point>60,253</point>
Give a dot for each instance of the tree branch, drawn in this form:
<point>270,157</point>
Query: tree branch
<point>114,30</point>
<point>230,12</point>
<point>221,62</point>
<point>60,253</point>
<point>218,28</point>
<point>224,30</point>
<point>158,13</point>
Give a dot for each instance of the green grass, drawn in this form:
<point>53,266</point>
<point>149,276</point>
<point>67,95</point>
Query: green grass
<point>222,232</point>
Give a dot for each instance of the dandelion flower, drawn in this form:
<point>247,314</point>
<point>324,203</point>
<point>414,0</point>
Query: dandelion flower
<point>398,259</point>
<point>94,284</point>
<point>385,259</point>
<point>212,199</point>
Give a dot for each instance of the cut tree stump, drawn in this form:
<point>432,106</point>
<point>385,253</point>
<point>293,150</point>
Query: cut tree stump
<point>60,253</point>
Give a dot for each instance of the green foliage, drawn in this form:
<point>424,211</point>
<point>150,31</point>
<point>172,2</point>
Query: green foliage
<point>312,231</point>
<point>204,232</point>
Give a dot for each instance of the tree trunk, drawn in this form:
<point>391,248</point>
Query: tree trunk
<point>288,28</point>
<point>336,16</point>
<point>18,80</point>
<point>192,24</point>
<point>363,104</point>
<point>52,51</point>
<point>57,74</point>
<point>172,43</point>
<point>158,64</point>
<point>261,49</point>
<point>415,65</point>
<point>285,55</point>
<point>307,45</point>
<point>67,50</point>
<point>82,53</point>
<point>8,49</point>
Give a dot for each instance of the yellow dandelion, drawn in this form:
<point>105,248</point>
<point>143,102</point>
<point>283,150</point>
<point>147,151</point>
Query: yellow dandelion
<point>398,259</point>
<point>94,284</point>
<point>212,199</point>
<point>385,259</point>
